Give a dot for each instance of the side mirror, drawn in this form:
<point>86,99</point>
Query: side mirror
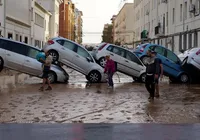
<point>88,59</point>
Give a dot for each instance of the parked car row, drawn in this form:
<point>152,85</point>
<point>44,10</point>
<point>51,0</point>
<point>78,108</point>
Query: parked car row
<point>22,57</point>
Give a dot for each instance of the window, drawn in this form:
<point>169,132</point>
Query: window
<point>110,48</point>
<point>60,42</point>
<point>16,37</point>
<point>191,12</point>
<point>33,53</point>
<point>0,33</point>
<point>10,35</point>
<point>26,40</point>
<point>17,48</point>
<point>185,9</point>
<point>83,52</point>
<point>2,44</point>
<point>173,16</point>
<point>20,38</point>
<point>167,19</point>
<point>130,56</point>
<point>37,43</point>
<point>70,46</point>
<point>181,12</point>
<point>171,56</point>
<point>118,51</point>
<point>39,20</point>
<point>160,50</point>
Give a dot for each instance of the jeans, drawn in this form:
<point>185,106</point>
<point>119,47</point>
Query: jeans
<point>110,78</point>
<point>150,85</point>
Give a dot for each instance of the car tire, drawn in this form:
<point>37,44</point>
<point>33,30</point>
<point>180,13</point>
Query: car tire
<point>94,77</point>
<point>52,77</point>
<point>55,55</point>
<point>143,77</point>
<point>184,78</point>
<point>102,61</point>
<point>1,64</point>
<point>144,59</point>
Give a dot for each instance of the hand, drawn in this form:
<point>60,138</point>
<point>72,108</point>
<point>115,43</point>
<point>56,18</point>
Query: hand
<point>161,76</point>
<point>156,76</point>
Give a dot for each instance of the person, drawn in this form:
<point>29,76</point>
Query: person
<point>110,70</point>
<point>160,76</point>
<point>152,72</point>
<point>46,68</point>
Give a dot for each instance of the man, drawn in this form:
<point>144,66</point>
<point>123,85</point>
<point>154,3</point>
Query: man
<point>110,70</point>
<point>152,73</point>
<point>46,68</point>
<point>157,94</point>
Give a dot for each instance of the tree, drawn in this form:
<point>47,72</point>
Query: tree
<point>107,34</point>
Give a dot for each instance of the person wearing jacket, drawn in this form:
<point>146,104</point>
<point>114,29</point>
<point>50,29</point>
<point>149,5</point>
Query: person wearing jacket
<point>110,70</point>
<point>152,73</point>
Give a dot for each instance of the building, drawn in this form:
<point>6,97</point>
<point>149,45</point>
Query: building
<point>113,25</point>
<point>53,7</point>
<point>124,25</point>
<point>67,20</point>
<point>40,29</point>
<point>107,33</point>
<point>172,23</point>
<point>78,26</point>
<point>17,22</point>
<point>2,17</point>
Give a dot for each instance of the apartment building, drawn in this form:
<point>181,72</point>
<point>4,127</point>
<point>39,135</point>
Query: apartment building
<point>124,25</point>
<point>113,24</point>
<point>67,20</point>
<point>2,17</point>
<point>53,7</point>
<point>78,25</point>
<point>172,23</point>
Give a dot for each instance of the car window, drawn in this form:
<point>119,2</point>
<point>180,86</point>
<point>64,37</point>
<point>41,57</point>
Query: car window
<point>130,56</point>
<point>160,50</point>
<point>82,52</point>
<point>17,48</point>
<point>118,51</point>
<point>110,47</point>
<point>171,56</point>
<point>152,47</point>
<point>70,45</point>
<point>33,52</point>
<point>2,44</point>
<point>60,42</point>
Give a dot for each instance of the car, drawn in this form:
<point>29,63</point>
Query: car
<point>126,61</point>
<point>193,58</point>
<point>76,57</point>
<point>171,62</point>
<point>187,53</point>
<point>22,57</point>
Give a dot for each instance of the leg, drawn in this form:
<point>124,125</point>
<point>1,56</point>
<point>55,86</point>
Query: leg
<point>152,90</point>
<point>110,80</point>
<point>147,84</point>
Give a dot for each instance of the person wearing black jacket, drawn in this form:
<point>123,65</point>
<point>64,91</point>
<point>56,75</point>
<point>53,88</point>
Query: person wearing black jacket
<point>152,73</point>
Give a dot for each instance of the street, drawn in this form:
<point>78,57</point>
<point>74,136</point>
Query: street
<point>81,102</point>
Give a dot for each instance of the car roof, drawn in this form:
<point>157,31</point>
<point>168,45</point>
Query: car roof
<point>19,42</point>
<point>118,46</point>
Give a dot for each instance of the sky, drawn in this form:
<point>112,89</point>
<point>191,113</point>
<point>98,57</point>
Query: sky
<point>96,13</point>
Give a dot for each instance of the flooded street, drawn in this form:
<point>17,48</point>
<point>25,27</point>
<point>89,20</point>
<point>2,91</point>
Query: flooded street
<point>80,102</point>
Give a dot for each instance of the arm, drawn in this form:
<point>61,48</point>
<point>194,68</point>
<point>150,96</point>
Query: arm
<point>157,68</point>
<point>161,70</point>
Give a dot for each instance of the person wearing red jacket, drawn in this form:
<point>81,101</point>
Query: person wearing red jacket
<point>110,70</point>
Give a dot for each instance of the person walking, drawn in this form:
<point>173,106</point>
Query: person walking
<point>46,68</point>
<point>110,70</point>
<point>152,73</point>
<point>160,76</point>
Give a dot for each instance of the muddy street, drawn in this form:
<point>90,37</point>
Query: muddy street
<point>80,102</point>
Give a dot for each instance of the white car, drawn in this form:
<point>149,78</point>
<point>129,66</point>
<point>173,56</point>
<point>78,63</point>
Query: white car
<point>76,57</point>
<point>186,53</point>
<point>22,57</point>
<point>193,58</point>
<point>126,61</point>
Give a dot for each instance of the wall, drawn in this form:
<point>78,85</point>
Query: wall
<point>2,18</point>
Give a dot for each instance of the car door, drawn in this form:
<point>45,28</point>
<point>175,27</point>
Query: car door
<point>132,64</point>
<point>67,52</point>
<point>80,60</point>
<point>173,64</point>
<point>31,65</point>
<point>2,51</point>
<point>15,55</point>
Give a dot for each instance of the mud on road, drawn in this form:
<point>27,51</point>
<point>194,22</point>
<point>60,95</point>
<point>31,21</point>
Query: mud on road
<point>80,102</point>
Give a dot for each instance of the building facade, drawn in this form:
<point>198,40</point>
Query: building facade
<point>2,17</point>
<point>53,7</point>
<point>67,20</point>
<point>124,25</point>
<point>113,25</point>
<point>78,26</point>
<point>172,23</point>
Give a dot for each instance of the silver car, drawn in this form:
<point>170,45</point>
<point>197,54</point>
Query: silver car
<point>22,57</point>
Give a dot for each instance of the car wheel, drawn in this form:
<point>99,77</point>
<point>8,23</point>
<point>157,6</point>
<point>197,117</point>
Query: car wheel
<point>184,78</point>
<point>102,62</point>
<point>94,77</point>
<point>1,64</point>
<point>184,61</point>
<point>54,54</point>
<point>144,60</point>
<point>52,77</point>
<point>143,78</point>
